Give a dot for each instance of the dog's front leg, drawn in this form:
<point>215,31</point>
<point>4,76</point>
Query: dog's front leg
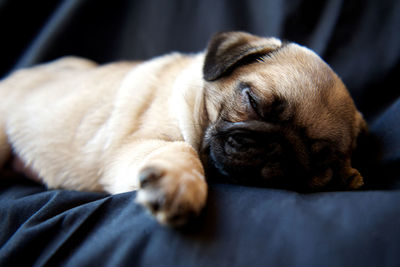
<point>169,178</point>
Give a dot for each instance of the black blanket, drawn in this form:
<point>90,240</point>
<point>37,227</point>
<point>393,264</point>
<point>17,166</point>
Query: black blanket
<point>241,226</point>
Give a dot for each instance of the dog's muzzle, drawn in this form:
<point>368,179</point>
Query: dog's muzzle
<point>250,152</point>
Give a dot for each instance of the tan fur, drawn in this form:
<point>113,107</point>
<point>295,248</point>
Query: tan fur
<point>83,127</point>
<point>86,127</point>
<point>316,100</point>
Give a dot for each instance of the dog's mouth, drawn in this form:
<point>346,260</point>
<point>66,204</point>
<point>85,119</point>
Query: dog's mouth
<point>252,153</point>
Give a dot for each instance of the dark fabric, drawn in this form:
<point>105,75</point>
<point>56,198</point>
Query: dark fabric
<point>241,226</point>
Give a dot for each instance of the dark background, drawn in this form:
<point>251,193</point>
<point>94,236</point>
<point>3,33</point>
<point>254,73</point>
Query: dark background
<point>241,225</point>
<point>359,39</point>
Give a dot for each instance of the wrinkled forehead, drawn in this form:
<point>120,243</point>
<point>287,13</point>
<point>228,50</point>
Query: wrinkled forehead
<point>293,72</point>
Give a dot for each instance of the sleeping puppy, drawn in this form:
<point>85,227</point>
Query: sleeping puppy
<point>253,110</point>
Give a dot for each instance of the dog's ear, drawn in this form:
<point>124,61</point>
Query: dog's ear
<point>226,49</point>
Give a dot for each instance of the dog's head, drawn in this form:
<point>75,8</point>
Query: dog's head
<point>279,115</point>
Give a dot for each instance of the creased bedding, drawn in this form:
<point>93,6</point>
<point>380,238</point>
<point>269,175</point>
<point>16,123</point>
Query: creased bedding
<point>241,226</point>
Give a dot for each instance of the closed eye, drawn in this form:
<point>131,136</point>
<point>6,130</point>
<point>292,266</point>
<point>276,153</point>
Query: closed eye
<point>251,101</point>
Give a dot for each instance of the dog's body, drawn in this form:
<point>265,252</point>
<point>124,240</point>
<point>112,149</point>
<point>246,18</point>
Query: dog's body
<point>247,105</point>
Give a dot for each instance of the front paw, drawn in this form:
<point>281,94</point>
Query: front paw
<point>172,196</point>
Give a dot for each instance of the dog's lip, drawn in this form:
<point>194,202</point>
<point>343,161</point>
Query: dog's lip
<point>217,165</point>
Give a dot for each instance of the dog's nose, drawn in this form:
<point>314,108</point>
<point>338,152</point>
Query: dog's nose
<point>265,144</point>
<point>240,142</point>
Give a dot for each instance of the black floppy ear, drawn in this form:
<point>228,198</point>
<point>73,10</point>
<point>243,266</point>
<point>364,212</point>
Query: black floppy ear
<point>228,48</point>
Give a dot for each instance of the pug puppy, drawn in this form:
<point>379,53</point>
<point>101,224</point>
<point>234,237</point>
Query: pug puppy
<point>251,109</point>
